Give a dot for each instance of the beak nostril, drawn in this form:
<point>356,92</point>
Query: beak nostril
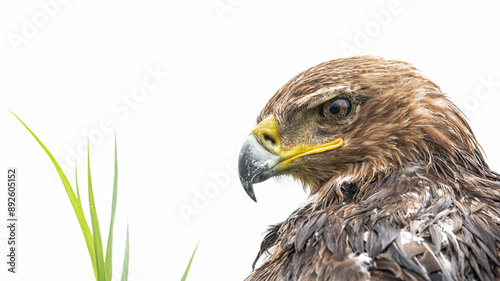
<point>270,139</point>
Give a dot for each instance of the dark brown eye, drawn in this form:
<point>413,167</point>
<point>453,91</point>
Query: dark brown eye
<point>336,109</point>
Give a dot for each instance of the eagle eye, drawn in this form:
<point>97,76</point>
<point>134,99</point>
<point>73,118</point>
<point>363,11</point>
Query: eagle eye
<point>336,109</point>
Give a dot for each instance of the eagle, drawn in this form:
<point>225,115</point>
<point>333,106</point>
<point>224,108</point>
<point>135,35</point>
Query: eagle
<point>399,187</point>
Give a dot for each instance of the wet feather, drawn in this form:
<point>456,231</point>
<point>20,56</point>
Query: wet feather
<point>408,197</point>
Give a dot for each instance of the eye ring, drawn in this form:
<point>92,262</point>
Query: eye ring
<point>336,109</point>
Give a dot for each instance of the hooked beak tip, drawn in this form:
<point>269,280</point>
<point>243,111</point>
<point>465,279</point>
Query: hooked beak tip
<point>255,164</point>
<point>248,186</point>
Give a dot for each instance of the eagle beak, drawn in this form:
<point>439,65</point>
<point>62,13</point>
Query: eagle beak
<point>263,157</point>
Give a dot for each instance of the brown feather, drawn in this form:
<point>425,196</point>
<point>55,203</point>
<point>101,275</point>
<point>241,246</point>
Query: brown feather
<point>409,195</point>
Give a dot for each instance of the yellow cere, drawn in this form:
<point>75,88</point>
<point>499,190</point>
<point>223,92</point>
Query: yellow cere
<point>267,134</point>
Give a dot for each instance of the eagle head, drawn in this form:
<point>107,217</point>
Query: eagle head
<point>355,119</point>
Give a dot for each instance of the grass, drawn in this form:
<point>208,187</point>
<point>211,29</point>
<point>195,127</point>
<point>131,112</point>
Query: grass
<point>101,264</point>
<point>189,264</point>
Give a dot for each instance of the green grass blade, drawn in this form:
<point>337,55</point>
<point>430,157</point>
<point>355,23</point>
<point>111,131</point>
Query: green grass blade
<point>72,198</point>
<point>101,270</point>
<point>189,264</point>
<point>125,260</point>
<point>77,189</point>
<point>109,249</point>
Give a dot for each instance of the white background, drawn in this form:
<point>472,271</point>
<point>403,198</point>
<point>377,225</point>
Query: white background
<point>181,138</point>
